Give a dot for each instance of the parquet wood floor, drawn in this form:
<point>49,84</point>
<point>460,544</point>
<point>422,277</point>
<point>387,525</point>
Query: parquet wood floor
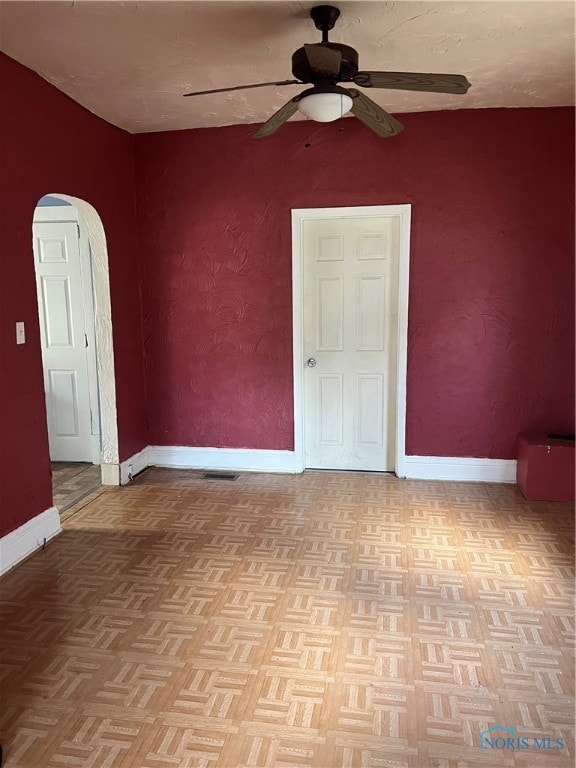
<point>324,620</point>
<point>72,481</point>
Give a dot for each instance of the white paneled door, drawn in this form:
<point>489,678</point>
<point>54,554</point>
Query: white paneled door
<point>65,335</point>
<point>350,277</point>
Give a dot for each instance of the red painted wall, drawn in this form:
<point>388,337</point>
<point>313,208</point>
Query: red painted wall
<point>491,348</point>
<point>491,342</point>
<point>48,143</point>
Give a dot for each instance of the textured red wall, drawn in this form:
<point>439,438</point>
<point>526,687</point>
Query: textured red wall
<point>491,346</point>
<point>492,272</point>
<point>51,144</point>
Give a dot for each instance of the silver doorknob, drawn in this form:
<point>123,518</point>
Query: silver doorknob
<point>311,362</point>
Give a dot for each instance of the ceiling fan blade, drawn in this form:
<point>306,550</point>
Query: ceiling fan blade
<point>243,87</point>
<point>323,59</point>
<point>374,116</point>
<point>274,122</point>
<point>413,81</point>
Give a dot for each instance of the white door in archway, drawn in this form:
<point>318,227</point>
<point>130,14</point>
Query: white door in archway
<point>66,311</point>
<point>350,333</point>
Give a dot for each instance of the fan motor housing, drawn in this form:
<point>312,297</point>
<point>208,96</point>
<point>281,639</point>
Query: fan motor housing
<point>348,68</point>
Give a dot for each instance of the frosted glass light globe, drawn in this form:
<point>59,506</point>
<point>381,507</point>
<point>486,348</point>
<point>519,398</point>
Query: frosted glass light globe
<point>325,107</point>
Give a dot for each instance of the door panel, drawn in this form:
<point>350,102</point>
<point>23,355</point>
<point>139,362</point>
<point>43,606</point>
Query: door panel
<point>350,329</point>
<point>63,336</point>
<point>56,312</point>
<point>54,251</point>
<point>63,395</point>
<point>330,324</point>
<point>330,410</point>
<point>370,397</point>
<point>371,313</point>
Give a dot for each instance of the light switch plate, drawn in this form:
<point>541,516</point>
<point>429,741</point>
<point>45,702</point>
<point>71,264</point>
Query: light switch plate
<point>20,334</point>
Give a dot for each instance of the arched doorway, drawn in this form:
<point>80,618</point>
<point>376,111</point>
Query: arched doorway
<point>81,392</point>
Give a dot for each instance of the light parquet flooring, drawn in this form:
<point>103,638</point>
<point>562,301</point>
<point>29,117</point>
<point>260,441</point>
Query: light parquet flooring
<point>321,620</point>
<point>72,481</point>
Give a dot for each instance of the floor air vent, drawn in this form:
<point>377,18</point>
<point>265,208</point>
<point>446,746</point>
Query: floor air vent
<point>218,476</point>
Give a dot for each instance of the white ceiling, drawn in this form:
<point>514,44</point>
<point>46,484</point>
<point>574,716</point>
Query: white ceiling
<point>130,62</point>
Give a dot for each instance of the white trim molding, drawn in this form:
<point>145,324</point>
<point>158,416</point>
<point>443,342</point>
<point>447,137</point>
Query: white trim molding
<point>135,464</point>
<point>299,216</point>
<point>461,469</point>
<point>92,227</point>
<point>26,539</point>
<point>255,460</point>
<point>65,214</point>
<point>230,459</point>
<point>110,473</point>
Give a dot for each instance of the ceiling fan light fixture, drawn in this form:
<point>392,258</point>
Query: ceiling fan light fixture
<point>325,107</point>
<point>322,65</point>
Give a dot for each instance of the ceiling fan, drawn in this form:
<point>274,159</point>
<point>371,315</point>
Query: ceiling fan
<point>325,64</point>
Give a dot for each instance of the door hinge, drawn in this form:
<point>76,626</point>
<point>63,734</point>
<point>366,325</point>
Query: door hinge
<point>86,340</point>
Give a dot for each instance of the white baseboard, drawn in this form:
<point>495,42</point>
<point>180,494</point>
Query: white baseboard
<point>230,459</point>
<point>135,464</point>
<point>461,469</point>
<point>254,460</point>
<point>26,539</point>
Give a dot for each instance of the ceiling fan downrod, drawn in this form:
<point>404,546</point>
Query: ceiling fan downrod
<point>324,18</point>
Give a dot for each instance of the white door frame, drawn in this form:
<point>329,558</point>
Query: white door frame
<point>92,224</point>
<point>299,216</point>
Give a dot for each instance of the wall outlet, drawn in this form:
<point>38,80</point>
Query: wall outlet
<point>20,334</point>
